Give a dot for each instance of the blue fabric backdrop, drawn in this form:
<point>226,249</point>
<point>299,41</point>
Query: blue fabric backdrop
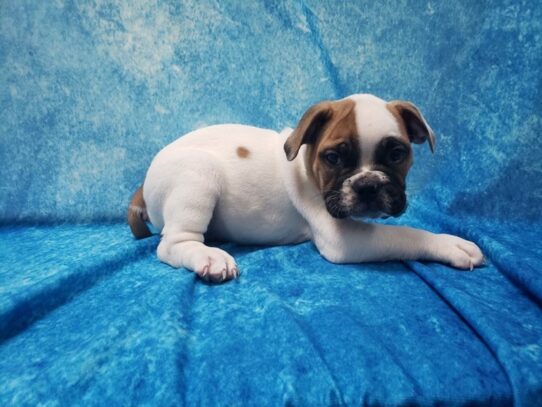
<point>91,90</point>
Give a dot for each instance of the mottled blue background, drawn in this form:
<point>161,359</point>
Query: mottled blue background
<point>91,90</point>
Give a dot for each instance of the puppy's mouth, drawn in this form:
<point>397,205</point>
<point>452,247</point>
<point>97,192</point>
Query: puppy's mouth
<point>389,200</point>
<point>335,205</point>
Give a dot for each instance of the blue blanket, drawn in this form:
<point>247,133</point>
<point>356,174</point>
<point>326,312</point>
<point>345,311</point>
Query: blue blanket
<point>90,91</point>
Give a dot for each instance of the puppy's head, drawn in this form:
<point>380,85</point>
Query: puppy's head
<point>359,153</point>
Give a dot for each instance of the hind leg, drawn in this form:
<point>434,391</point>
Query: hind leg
<point>187,213</point>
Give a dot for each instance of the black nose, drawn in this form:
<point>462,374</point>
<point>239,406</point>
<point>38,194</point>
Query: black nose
<point>366,190</point>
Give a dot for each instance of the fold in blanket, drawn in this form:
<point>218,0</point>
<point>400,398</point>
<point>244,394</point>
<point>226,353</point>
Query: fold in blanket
<point>86,311</point>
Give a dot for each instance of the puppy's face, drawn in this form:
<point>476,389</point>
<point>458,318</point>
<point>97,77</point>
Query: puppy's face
<point>359,153</point>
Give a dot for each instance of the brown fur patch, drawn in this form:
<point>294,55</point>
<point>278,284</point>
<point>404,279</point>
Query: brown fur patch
<point>340,134</point>
<point>137,215</point>
<point>242,152</point>
<point>411,123</point>
<point>397,116</point>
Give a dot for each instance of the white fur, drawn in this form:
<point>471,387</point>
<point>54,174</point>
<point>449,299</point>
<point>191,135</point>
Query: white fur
<point>198,188</point>
<point>374,122</point>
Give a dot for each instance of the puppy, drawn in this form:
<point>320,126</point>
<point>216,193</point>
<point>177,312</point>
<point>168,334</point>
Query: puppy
<point>345,161</point>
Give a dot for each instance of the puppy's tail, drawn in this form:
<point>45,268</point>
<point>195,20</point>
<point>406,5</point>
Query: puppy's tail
<point>137,215</point>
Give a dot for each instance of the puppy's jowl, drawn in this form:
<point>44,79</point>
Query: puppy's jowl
<point>346,160</point>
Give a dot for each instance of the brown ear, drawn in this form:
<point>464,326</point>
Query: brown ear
<point>308,129</point>
<point>417,129</point>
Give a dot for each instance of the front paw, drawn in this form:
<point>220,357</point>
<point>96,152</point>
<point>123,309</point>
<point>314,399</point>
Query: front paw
<point>457,252</point>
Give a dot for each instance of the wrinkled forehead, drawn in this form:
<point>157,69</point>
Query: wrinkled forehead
<point>374,121</point>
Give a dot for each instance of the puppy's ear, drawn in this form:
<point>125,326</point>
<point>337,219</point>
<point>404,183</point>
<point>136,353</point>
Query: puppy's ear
<point>415,125</point>
<point>308,129</point>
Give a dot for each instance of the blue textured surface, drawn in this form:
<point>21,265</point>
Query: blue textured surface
<point>90,91</point>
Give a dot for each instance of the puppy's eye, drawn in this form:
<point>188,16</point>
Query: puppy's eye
<point>397,155</point>
<point>332,157</point>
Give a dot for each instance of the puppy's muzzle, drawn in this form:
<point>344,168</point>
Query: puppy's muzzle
<point>367,190</point>
<point>377,193</point>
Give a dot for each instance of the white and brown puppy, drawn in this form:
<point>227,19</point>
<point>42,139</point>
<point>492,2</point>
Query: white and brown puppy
<point>346,160</point>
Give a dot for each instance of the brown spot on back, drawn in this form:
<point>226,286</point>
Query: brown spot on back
<point>242,152</point>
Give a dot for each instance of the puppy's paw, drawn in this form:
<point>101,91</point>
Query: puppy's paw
<point>457,252</point>
<point>215,265</point>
